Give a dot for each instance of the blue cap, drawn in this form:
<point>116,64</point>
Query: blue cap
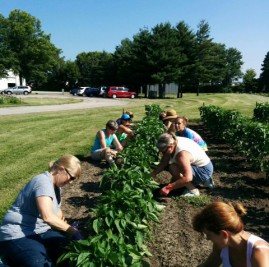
<point>125,117</point>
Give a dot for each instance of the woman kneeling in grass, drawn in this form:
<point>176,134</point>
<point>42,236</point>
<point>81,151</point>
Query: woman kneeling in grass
<point>103,141</point>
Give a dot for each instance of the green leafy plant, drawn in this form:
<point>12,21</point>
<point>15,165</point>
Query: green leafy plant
<point>121,220</point>
<point>4,100</point>
<point>247,137</point>
<point>261,112</point>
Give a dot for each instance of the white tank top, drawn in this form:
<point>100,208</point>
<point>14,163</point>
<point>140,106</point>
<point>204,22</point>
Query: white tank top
<point>198,156</point>
<point>250,244</point>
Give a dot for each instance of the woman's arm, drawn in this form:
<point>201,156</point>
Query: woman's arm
<point>101,136</point>
<point>184,170</point>
<point>117,143</point>
<point>260,255</point>
<point>61,215</point>
<point>161,166</point>
<point>44,205</point>
<point>125,129</point>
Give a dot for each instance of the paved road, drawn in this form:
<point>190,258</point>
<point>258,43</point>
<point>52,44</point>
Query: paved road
<point>88,102</point>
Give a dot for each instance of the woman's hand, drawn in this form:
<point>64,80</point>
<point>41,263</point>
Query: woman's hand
<point>166,190</point>
<point>113,153</point>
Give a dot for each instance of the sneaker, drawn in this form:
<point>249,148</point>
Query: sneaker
<point>209,183</point>
<point>191,193</point>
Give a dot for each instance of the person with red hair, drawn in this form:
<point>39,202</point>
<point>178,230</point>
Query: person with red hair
<point>232,246</point>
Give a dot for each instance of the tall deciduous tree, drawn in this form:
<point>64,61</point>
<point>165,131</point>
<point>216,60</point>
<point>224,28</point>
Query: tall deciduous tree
<point>264,76</point>
<point>34,53</point>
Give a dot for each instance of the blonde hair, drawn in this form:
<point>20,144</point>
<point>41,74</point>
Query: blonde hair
<point>69,162</point>
<point>219,216</point>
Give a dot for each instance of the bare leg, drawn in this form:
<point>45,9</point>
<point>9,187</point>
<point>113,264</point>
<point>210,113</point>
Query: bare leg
<point>177,178</point>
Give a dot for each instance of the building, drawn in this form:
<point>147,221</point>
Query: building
<point>10,81</point>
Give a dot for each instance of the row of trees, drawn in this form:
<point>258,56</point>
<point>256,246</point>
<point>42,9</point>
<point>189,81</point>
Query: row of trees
<point>160,55</point>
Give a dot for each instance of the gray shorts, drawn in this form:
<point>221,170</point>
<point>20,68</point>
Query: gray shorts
<point>97,154</point>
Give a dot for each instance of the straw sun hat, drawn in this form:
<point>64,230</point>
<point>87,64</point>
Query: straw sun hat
<point>170,114</point>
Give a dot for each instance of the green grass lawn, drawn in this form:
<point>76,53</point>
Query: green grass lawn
<point>34,101</point>
<point>30,141</point>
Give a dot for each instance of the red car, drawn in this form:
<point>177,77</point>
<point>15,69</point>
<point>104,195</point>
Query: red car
<point>119,91</point>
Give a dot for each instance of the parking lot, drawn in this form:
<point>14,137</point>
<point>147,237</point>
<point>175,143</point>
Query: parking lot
<point>87,103</point>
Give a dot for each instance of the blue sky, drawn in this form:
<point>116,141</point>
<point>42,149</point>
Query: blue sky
<point>95,25</point>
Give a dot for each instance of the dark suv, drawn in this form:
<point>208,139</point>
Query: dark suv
<point>90,91</point>
<point>119,91</point>
<point>20,89</point>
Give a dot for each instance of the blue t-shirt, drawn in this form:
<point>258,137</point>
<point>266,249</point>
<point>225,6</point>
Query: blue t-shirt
<point>191,134</point>
<point>97,144</point>
<point>23,218</point>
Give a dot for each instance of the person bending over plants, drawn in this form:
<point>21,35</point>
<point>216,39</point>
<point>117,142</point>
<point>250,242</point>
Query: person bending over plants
<point>34,231</point>
<point>168,117</point>
<point>179,127</point>
<point>124,132</point>
<point>103,140</point>
<point>232,246</point>
<point>186,161</point>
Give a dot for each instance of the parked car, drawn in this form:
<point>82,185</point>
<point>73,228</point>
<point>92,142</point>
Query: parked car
<point>81,90</point>
<point>74,91</point>
<point>90,91</point>
<point>102,90</point>
<point>20,89</point>
<point>2,91</point>
<point>119,91</point>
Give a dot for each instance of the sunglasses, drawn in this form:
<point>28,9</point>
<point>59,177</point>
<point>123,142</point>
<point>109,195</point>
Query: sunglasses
<point>72,178</point>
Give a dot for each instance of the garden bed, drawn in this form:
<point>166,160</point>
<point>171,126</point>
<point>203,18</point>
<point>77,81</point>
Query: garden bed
<point>174,243</point>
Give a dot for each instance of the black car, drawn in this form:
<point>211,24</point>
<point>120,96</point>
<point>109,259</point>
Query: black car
<point>91,91</point>
<point>74,91</point>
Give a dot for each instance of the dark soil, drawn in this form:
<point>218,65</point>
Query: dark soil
<point>174,243</point>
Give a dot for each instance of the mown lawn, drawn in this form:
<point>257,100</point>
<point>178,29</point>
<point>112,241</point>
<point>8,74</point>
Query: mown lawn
<point>30,141</point>
<point>6,101</point>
